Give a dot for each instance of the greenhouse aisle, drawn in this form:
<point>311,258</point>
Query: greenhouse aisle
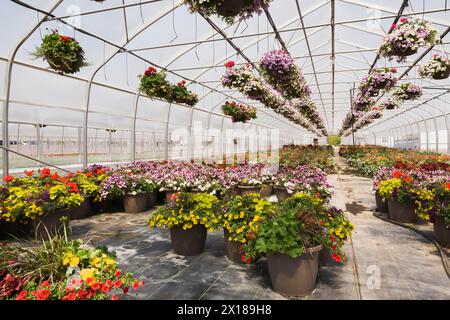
<point>391,262</point>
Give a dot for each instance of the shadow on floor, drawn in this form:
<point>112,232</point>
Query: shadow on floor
<point>355,208</point>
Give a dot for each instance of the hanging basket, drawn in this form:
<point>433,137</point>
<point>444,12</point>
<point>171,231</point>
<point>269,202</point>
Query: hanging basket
<point>442,75</point>
<point>229,8</point>
<point>404,52</point>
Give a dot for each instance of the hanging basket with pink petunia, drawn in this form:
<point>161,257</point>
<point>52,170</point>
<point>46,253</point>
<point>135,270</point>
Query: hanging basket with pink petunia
<point>438,68</point>
<point>407,91</point>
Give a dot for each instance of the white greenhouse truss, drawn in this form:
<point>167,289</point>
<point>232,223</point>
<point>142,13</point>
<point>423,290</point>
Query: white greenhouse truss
<point>98,116</point>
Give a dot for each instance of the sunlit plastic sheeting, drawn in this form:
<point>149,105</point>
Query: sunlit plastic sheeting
<point>150,109</point>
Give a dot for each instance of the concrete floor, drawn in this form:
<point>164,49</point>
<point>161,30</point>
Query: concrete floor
<point>385,261</point>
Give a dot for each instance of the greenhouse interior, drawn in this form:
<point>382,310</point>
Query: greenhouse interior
<point>225,150</point>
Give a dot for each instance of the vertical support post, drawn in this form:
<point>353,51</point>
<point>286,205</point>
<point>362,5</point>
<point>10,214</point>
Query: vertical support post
<point>79,145</point>
<point>133,129</point>
<point>426,131</point>
<point>447,120</point>
<point>38,141</point>
<point>166,136</point>
<point>110,144</point>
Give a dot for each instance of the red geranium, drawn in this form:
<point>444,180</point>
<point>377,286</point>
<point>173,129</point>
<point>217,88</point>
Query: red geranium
<point>42,294</point>
<point>403,19</point>
<point>8,178</point>
<point>70,296</point>
<point>229,64</point>
<point>114,297</point>
<point>22,295</point>
<point>29,173</point>
<point>65,38</point>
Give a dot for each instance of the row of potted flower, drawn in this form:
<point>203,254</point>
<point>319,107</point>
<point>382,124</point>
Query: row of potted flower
<point>317,156</point>
<point>408,194</point>
<point>300,228</point>
<point>367,160</point>
<point>59,269</point>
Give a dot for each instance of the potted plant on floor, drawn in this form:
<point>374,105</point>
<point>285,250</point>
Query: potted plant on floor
<point>241,216</point>
<point>189,218</point>
<point>406,38</point>
<point>440,212</point>
<point>63,54</point>
<point>291,240</point>
<point>438,68</point>
<point>89,189</point>
<point>383,173</point>
<point>400,200</point>
<point>98,174</point>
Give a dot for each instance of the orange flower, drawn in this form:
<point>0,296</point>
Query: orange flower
<point>29,173</point>
<point>446,186</point>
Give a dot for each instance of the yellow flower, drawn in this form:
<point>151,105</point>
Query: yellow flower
<point>88,273</point>
<point>71,260</point>
<point>96,262</point>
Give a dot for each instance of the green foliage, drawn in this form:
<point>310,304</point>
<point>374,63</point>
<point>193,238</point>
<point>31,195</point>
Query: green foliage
<point>62,53</point>
<point>334,139</point>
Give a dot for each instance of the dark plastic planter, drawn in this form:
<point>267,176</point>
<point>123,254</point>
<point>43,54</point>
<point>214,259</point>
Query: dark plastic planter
<point>135,203</point>
<point>49,224</point>
<point>441,233</point>
<point>232,248</point>
<point>402,211</point>
<point>281,194</point>
<point>324,257</point>
<point>381,202</point>
<point>442,75</point>
<point>266,190</point>
<point>152,199</point>
<point>404,53</point>
<point>229,8</point>
<point>294,276</point>
<point>83,211</point>
<point>189,242</point>
<point>107,205</point>
<point>243,190</point>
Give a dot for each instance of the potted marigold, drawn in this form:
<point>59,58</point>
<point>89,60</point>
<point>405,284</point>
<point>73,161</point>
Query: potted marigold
<point>408,91</point>
<point>189,218</point>
<point>438,68</point>
<point>397,191</point>
<point>241,216</point>
<point>291,239</point>
<point>63,53</point>
<point>239,112</point>
<point>406,37</point>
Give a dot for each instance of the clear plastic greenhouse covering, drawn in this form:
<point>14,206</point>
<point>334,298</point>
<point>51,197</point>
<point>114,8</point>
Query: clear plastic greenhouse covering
<point>97,115</point>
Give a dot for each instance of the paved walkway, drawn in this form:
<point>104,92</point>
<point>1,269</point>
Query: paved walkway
<point>385,261</point>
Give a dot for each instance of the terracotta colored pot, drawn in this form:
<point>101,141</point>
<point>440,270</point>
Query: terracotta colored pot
<point>170,196</point>
<point>281,194</point>
<point>83,211</point>
<point>229,8</point>
<point>382,205</point>
<point>49,224</point>
<point>189,242</point>
<point>266,190</point>
<point>441,232</point>
<point>135,203</point>
<point>152,199</point>
<point>294,276</point>
<point>402,211</point>
<point>232,248</point>
<point>243,190</point>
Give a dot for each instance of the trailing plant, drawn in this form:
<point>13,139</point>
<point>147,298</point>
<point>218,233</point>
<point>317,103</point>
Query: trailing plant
<point>63,54</point>
<point>378,80</point>
<point>154,84</point>
<point>408,91</point>
<point>438,67</point>
<point>239,112</point>
<point>181,94</point>
<point>406,37</point>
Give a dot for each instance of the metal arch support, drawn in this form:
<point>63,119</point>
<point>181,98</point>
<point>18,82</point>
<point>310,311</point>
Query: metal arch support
<point>7,90</point>
<point>133,128</point>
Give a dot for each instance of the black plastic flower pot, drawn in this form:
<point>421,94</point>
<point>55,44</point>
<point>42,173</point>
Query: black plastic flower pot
<point>381,202</point>
<point>324,257</point>
<point>232,248</point>
<point>14,230</point>
<point>400,52</point>
<point>50,224</point>
<point>441,232</point>
<point>402,211</point>
<point>83,211</point>
<point>229,8</point>
<point>152,199</point>
<point>244,190</point>
<point>135,203</point>
<point>294,276</point>
<point>189,242</point>
<point>442,75</point>
<point>281,194</point>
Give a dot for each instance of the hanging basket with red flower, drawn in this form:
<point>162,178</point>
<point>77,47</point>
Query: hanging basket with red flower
<point>378,80</point>
<point>407,37</point>
<point>154,84</point>
<point>63,53</point>
<point>229,10</point>
<point>180,94</point>
<point>239,112</point>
